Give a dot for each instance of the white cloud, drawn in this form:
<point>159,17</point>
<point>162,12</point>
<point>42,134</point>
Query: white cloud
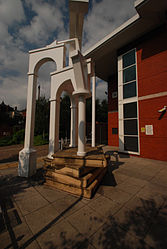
<point>48,19</point>
<point>44,79</point>
<point>101,89</point>
<point>11,11</point>
<point>14,91</point>
<point>104,17</point>
<point>18,29</point>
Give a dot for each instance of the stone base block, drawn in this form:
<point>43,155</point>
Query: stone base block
<point>27,162</point>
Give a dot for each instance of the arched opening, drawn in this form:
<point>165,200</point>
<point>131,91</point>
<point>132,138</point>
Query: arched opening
<point>65,111</point>
<point>42,112</point>
<point>65,117</point>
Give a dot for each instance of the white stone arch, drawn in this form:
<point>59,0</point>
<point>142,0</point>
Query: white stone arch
<point>57,87</point>
<point>54,52</point>
<point>74,77</point>
<point>38,57</point>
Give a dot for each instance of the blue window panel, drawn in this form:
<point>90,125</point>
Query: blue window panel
<point>131,143</point>
<point>129,59</point>
<point>130,127</point>
<point>129,74</point>
<point>129,90</point>
<point>130,110</point>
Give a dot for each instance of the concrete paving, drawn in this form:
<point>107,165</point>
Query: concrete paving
<point>128,211</point>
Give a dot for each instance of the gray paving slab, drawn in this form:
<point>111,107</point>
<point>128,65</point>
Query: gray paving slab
<point>116,195</point>
<point>5,240</point>
<point>130,188</point>
<point>119,177</point>
<point>104,206</point>
<point>128,211</point>
<point>68,205</point>
<point>133,222</point>
<point>30,204</point>
<point>50,194</point>
<point>156,237</point>
<point>152,191</point>
<point>44,217</point>
<point>160,178</point>
<point>86,221</point>
<point>112,236</point>
<point>62,235</point>
<point>17,237</point>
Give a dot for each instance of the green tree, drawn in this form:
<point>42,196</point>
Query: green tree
<point>65,117</point>
<point>101,110</point>
<point>42,117</point>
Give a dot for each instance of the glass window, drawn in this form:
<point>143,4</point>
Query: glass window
<point>131,143</point>
<point>129,74</point>
<point>129,90</point>
<point>130,110</point>
<point>129,59</point>
<point>130,127</point>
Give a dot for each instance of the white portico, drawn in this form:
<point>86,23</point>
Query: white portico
<point>74,79</point>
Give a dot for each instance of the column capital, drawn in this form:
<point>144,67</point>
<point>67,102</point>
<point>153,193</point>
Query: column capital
<point>51,100</point>
<point>33,74</point>
<point>73,107</point>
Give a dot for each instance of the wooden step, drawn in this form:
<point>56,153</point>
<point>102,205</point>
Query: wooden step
<point>71,171</point>
<point>85,192</point>
<point>74,181</point>
<point>83,162</point>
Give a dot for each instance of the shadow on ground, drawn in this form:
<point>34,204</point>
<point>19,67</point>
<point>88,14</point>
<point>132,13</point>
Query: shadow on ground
<point>144,226</point>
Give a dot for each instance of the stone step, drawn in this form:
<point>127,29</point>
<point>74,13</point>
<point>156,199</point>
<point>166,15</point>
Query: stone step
<point>74,181</point>
<point>79,191</point>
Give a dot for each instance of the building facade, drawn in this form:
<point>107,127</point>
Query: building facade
<point>137,81</point>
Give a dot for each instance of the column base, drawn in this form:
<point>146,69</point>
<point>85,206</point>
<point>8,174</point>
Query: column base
<point>72,145</point>
<point>27,162</point>
<point>50,156</point>
<point>81,153</point>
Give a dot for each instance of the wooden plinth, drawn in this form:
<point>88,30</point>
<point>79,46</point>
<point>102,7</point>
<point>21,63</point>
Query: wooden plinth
<point>74,174</point>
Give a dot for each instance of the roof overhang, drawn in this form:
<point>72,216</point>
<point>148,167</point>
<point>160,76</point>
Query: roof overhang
<point>150,15</point>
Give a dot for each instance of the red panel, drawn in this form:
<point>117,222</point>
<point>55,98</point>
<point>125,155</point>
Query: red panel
<point>152,78</point>
<point>113,139</point>
<point>152,65</point>
<point>112,87</point>
<point>153,146</point>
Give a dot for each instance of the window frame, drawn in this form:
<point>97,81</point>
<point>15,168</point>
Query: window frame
<point>122,101</point>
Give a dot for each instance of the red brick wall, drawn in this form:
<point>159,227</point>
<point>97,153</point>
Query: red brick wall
<point>152,79</point>
<point>112,87</point>
<point>153,146</point>
<point>152,65</point>
<point>113,139</point>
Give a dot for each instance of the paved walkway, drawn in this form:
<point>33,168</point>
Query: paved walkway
<point>128,211</point>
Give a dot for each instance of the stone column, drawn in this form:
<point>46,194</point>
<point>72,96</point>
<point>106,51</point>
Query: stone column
<point>73,124</point>
<point>81,126</point>
<point>27,156</point>
<point>54,126</point>
<point>93,109</point>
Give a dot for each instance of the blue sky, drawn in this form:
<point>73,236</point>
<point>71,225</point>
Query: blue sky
<point>30,24</point>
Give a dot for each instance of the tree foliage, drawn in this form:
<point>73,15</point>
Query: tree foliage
<point>65,117</point>
<point>101,110</point>
<point>43,112</point>
<point>42,116</point>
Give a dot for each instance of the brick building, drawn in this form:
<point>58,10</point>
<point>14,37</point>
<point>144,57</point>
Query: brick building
<point>133,60</point>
